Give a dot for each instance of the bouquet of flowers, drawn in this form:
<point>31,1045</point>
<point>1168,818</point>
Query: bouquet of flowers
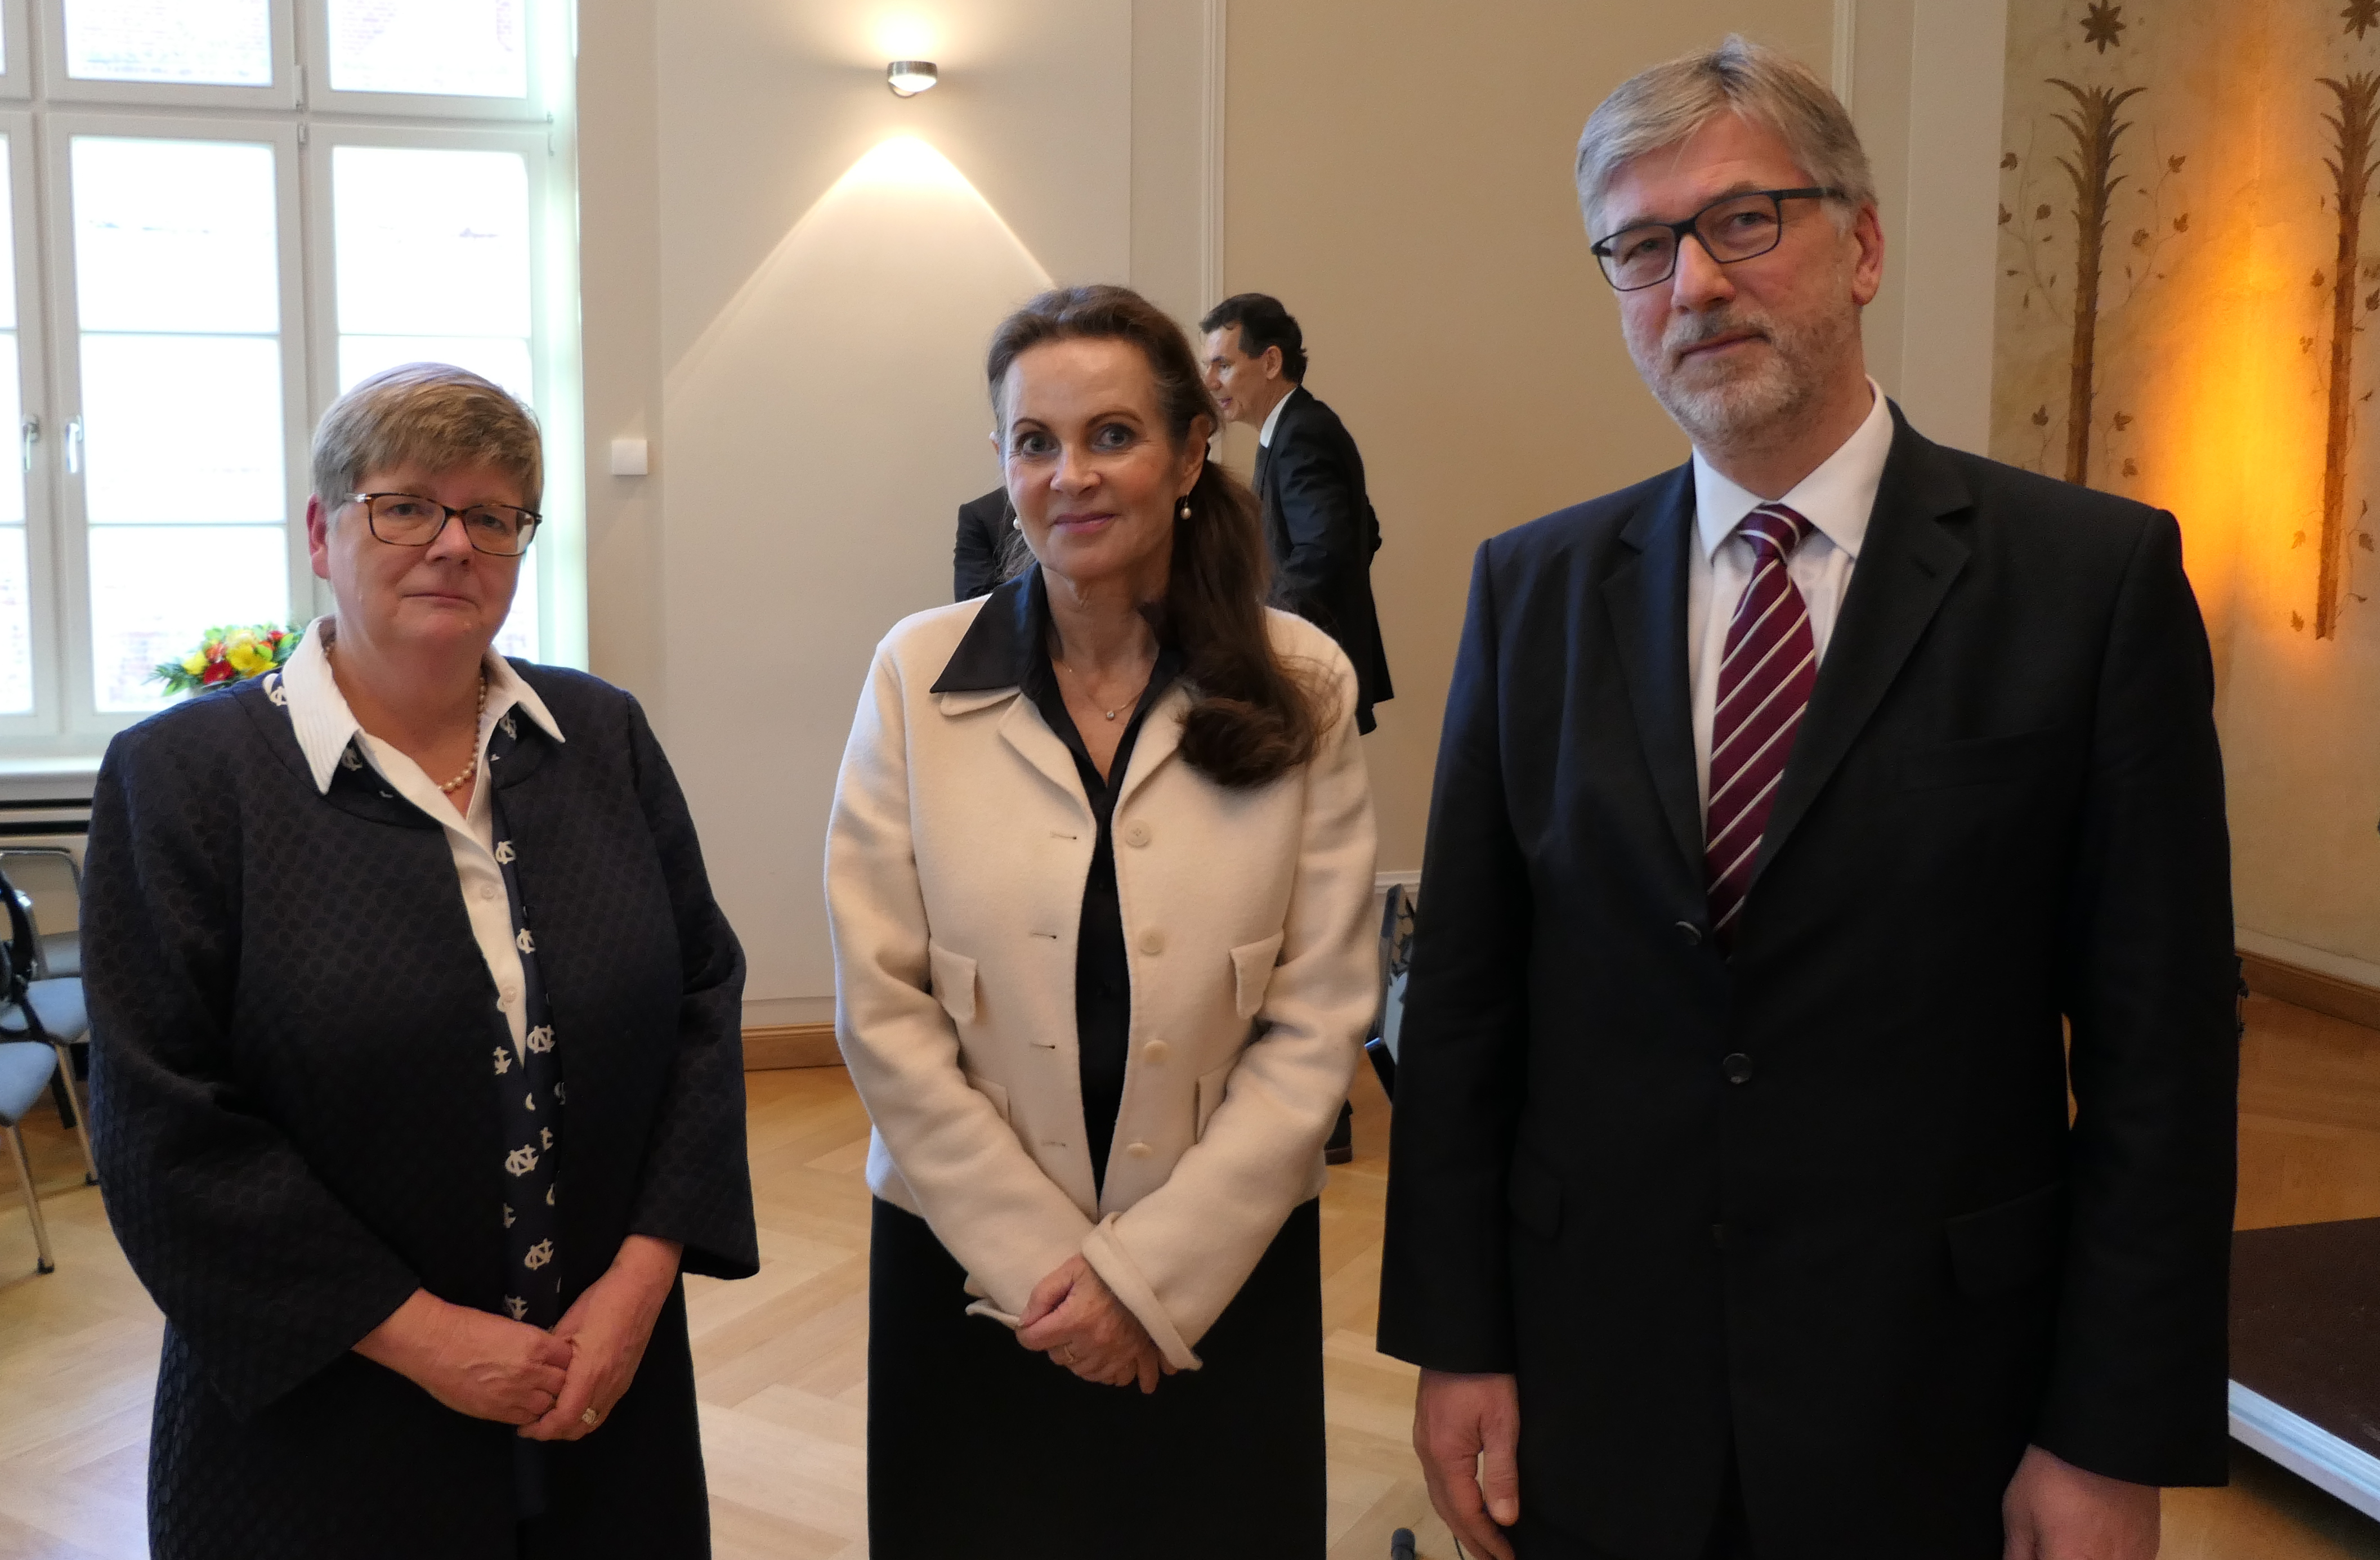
<point>229,655</point>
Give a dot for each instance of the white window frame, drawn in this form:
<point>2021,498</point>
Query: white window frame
<point>81,704</point>
<point>322,326</point>
<point>42,111</point>
<point>58,87</point>
<point>424,105</point>
<point>17,80</point>
<point>32,386</point>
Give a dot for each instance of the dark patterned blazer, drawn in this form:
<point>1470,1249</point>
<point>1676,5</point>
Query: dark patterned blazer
<point>294,1116</point>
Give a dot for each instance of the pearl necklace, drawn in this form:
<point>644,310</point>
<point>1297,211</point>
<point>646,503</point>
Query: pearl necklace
<point>479,719</point>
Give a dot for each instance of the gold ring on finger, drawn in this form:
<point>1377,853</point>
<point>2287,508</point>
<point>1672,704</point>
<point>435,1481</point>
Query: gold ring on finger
<point>590,1418</point>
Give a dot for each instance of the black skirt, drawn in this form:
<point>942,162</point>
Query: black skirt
<point>978,1447</point>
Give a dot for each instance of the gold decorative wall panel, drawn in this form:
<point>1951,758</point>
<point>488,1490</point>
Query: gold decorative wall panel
<point>2188,284</point>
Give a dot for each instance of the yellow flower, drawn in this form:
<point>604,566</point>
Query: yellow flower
<point>195,662</point>
<point>247,658</point>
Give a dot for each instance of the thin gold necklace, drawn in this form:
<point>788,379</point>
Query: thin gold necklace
<point>1086,683</point>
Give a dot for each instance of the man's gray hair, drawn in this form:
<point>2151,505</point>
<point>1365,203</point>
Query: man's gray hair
<point>1662,106</point>
<point>432,414</point>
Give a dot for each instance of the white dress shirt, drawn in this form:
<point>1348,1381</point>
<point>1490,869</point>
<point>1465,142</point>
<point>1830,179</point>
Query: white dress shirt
<point>1264,434</point>
<point>1836,499</point>
<point>328,735</point>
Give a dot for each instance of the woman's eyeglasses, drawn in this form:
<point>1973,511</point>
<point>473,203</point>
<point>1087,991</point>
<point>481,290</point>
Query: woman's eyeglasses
<point>408,520</point>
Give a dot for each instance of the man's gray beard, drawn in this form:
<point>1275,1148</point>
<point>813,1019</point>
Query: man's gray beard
<point>1750,407</point>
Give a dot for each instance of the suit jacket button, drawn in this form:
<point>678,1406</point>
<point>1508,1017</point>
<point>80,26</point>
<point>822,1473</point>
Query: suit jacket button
<point>1135,834</point>
<point>1138,1150</point>
<point>1691,933</point>
<point>1156,1052</point>
<point>1738,1067</point>
<point>1152,943</point>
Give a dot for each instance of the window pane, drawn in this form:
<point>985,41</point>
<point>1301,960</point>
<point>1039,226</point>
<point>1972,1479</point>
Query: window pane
<point>183,430</point>
<point>154,590</point>
<point>174,235</point>
<point>7,240</point>
<point>464,48</point>
<point>501,358</point>
<point>430,243</point>
<point>519,637</point>
<point>16,625</point>
<point>211,43</point>
<point>12,412</point>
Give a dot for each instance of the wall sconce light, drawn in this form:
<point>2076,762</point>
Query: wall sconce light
<point>908,77</point>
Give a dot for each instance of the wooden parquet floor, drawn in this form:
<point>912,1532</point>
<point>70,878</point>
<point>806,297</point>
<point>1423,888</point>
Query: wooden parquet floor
<point>782,1359</point>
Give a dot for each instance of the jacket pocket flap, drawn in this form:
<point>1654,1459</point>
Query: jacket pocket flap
<point>1252,966</point>
<point>1980,760</point>
<point>1535,1195</point>
<point>953,981</point>
<point>2009,1244</point>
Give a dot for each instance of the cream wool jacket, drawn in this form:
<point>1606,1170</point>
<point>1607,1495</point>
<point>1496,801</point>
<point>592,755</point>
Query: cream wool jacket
<point>955,863</point>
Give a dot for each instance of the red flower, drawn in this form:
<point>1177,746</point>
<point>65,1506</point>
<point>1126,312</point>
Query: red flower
<point>218,672</point>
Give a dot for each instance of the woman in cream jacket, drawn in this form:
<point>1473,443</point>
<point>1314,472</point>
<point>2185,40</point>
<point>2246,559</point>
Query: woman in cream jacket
<point>1099,875</point>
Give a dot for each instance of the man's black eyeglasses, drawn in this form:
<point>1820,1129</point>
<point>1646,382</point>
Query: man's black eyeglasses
<point>1731,228</point>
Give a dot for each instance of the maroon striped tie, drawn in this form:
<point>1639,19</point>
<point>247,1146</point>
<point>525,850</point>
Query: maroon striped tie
<point>1764,685</point>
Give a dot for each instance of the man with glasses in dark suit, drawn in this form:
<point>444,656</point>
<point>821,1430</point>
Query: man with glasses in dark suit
<point>1796,809</point>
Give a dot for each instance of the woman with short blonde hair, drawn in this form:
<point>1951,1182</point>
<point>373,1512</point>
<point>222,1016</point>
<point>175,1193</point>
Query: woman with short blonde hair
<point>417,1076</point>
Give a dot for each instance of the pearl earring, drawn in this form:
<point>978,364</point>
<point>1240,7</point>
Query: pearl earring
<point>1016,522</point>
<point>1184,512</point>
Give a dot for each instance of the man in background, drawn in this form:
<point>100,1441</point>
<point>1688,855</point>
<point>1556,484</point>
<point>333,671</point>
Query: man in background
<point>1318,523</point>
<point>980,560</point>
<point>1795,806</point>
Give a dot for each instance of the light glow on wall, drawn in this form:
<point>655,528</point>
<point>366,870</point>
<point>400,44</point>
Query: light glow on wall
<point>905,161</point>
<point>904,35</point>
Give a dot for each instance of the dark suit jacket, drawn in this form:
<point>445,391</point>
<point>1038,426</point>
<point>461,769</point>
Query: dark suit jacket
<point>979,558</point>
<point>1881,1263</point>
<point>296,1120</point>
<point>1322,533</point>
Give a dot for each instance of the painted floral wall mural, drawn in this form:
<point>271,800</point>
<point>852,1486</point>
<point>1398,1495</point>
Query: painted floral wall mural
<point>2189,275</point>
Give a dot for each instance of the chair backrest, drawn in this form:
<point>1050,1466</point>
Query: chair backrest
<point>50,873</point>
<point>22,947</point>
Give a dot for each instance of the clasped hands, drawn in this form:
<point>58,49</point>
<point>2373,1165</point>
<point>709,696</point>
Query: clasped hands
<point>549,1384</point>
<point>1466,1429</point>
<point>1076,1320</point>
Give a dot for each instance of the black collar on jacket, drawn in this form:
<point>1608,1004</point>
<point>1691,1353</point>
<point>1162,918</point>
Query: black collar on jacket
<point>997,649</point>
<point>1913,553</point>
<point>1008,646</point>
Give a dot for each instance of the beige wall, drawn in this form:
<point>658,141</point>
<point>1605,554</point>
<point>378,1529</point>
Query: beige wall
<point>1397,172</point>
<point>798,329</point>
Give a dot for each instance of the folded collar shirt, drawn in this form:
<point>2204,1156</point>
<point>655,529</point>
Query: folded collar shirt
<point>1836,500</point>
<point>329,735</point>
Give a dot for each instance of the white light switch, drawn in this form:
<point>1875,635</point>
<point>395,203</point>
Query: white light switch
<point>629,457</point>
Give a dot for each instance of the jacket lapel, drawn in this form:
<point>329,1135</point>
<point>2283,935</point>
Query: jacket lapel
<point>1022,728</point>
<point>1646,594</point>
<point>1906,567</point>
<point>1161,736</point>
